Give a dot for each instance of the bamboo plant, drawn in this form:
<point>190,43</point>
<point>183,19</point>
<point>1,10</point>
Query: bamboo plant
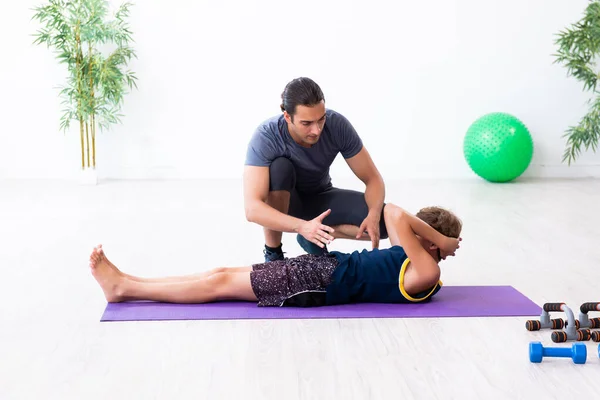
<point>97,81</point>
<point>578,49</point>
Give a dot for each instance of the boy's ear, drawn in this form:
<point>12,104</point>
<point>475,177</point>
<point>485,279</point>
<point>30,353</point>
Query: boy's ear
<point>432,246</point>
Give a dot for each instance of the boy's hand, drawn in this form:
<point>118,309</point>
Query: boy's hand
<point>450,245</point>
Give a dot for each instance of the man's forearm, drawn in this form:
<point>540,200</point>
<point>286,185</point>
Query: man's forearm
<point>375,195</point>
<point>268,217</point>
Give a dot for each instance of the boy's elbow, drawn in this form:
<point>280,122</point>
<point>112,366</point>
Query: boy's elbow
<point>421,278</point>
<point>428,279</point>
<point>434,277</point>
<point>394,212</point>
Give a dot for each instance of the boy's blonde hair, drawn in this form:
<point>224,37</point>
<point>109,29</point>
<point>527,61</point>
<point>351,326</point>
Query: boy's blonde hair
<point>442,220</point>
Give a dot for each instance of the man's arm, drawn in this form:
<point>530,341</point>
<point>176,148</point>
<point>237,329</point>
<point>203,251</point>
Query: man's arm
<point>262,150</point>
<point>256,192</point>
<point>364,168</point>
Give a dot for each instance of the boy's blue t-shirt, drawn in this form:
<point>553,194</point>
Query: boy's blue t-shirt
<point>375,276</point>
<point>272,140</point>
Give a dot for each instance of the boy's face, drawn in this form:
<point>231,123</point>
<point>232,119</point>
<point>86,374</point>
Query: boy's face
<point>435,252</point>
<point>442,254</point>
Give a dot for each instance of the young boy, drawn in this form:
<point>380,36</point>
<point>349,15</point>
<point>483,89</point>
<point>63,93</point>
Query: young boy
<point>406,272</point>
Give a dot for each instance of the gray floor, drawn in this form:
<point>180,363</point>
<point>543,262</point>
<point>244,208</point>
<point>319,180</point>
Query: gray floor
<point>539,236</point>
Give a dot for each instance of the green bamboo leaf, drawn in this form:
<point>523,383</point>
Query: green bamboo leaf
<point>96,83</point>
<point>578,46</point>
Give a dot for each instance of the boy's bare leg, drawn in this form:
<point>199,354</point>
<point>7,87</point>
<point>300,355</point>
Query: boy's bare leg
<point>191,277</point>
<point>216,287</point>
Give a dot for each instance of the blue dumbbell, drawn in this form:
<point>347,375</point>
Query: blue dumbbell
<point>578,352</point>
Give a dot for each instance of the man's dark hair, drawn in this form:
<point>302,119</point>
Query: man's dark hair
<point>300,91</point>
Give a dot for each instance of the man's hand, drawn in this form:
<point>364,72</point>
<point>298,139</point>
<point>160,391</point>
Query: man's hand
<point>315,232</point>
<point>371,225</point>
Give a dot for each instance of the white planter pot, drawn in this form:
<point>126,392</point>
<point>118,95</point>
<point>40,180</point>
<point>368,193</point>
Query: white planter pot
<point>88,176</point>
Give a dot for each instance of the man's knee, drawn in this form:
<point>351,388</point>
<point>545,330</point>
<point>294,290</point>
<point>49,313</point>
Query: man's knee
<point>382,225</point>
<point>282,175</point>
<point>349,207</point>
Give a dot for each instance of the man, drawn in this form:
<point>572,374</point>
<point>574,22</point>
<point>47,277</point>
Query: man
<point>407,272</point>
<point>287,185</point>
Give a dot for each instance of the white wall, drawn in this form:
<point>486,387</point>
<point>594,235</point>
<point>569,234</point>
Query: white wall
<point>410,75</point>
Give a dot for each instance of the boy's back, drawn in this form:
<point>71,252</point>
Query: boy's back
<point>374,276</point>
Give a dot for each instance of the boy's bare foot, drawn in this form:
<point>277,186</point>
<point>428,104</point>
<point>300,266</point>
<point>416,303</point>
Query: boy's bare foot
<point>131,277</point>
<point>100,251</point>
<point>107,275</point>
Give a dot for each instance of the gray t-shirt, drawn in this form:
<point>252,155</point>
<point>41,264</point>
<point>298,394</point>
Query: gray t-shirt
<point>272,140</point>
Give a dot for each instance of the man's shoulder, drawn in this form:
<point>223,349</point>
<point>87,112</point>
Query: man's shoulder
<point>266,143</point>
<point>343,134</point>
<point>336,117</point>
<point>269,126</point>
<point>268,132</point>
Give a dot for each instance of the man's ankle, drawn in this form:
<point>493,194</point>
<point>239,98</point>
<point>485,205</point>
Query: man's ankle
<point>310,247</point>
<point>273,253</point>
<point>277,249</point>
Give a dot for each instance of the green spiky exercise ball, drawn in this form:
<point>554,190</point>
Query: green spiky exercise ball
<point>498,147</point>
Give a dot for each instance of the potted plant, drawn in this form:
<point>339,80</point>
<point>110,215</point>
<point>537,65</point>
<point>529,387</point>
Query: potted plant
<point>97,80</point>
<point>578,49</point>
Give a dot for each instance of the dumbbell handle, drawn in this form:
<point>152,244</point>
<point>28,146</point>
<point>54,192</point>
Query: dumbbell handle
<point>553,306</point>
<point>534,325</point>
<point>557,352</point>
<point>585,307</point>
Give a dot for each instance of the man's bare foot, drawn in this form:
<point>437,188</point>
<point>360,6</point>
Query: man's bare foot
<point>107,275</point>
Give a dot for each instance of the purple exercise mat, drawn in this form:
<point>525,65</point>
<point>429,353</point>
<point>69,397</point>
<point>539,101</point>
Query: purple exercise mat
<point>450,301</point>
